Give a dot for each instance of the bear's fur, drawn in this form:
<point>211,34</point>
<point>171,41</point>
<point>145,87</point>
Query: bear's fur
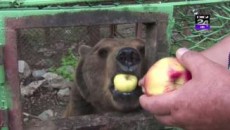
<point>94,91</point>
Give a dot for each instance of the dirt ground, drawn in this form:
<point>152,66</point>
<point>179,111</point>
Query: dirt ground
<point>43,99</point>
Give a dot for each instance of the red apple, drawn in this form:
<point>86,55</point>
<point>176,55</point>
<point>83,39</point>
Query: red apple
<point>167,74</point>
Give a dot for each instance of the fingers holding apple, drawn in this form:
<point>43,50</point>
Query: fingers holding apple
<point>167,74</point>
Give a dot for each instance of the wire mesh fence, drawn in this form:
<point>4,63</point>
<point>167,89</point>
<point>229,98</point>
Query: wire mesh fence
<point>185,35</point>
<point>42,47</point>
<point>45,47</point>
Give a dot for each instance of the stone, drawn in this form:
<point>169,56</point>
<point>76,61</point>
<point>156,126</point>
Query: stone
<point>63,92</point>
<point>31,88</point>
<point>47,114</point>
<point>38,73</point>
<point>23,69</point>
<point>56,81</point>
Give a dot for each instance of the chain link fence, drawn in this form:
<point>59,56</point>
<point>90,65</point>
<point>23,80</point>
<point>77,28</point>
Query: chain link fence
<point>184,34</point>
<point>45,47</point>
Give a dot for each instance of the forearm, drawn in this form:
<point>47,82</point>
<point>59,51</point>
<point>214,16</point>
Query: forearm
<point>219,52</point>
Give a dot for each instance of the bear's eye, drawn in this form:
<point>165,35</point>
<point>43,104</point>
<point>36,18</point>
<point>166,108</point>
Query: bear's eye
<point>142,50</point>
<point>103,52</point>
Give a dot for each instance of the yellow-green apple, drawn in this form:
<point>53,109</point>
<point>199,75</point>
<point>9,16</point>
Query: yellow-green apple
<point>167,74</point>
<point>125,82</point>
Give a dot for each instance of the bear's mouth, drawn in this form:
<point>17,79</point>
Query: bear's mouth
<point>131,96</point>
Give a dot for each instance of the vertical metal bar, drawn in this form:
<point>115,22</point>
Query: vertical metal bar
<point>2,73</point>
<point>5,120</point>
<point>113,29</point>
<point>11,67</point>
<point>229,61</point>
<point>139,30</point>
<point>4,96</point>
<point>94,34</point>
<point>151,43</point>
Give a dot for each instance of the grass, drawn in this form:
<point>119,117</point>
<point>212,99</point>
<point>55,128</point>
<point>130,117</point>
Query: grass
<point>68,62</point>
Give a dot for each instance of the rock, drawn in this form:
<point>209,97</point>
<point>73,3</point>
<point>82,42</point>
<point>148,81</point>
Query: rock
<point>38,73</point>
<point>43,50</point>
<point>51,76</point>
<point>59,84</point>
<point>62,85</point>
<point>63,92</point>
<point>56,81</point>
<point>25,119</point>
<point>23,69</point>
<point>46,115</point>
<point>31,88</point>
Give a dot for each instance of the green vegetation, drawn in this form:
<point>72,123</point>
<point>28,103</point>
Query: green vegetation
<point>68,63</point>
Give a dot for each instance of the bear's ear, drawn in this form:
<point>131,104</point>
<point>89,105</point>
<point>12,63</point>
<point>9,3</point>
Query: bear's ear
<point>83,50</point>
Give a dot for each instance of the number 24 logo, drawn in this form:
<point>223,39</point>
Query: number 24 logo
<point>202,21</point>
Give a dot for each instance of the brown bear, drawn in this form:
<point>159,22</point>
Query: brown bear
<point>94,90</point>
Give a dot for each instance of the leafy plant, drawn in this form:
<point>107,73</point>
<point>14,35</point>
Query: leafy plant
<point>68,63</point>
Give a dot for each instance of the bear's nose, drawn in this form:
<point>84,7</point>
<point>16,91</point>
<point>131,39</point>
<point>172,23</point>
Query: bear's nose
<point>128,57</point>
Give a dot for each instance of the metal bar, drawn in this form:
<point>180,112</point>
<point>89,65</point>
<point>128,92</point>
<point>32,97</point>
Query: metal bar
<point>139,30</point>
<point>4,96</point>
<point>11,69</point>
<point>27,3</point>
<point>151,44</point>
<point>229,61</point>
<point>150,8</point>
<point>94,34</point>
<point>2,73</point>
<point>33,3</point>
<point>4,120</point>
<point>84,19</point>
<point>113,29</point>
<point>195,2</point>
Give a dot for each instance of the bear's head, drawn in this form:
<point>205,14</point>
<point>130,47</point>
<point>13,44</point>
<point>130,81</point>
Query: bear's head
<point>99,65</point>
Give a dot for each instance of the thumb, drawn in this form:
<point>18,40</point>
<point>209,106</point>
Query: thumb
<point>191,60</point>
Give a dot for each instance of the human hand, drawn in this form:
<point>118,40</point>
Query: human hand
<point>203,103</point>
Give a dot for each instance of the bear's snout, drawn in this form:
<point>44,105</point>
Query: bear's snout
<point>129,60</point>
<point>128,57</point>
